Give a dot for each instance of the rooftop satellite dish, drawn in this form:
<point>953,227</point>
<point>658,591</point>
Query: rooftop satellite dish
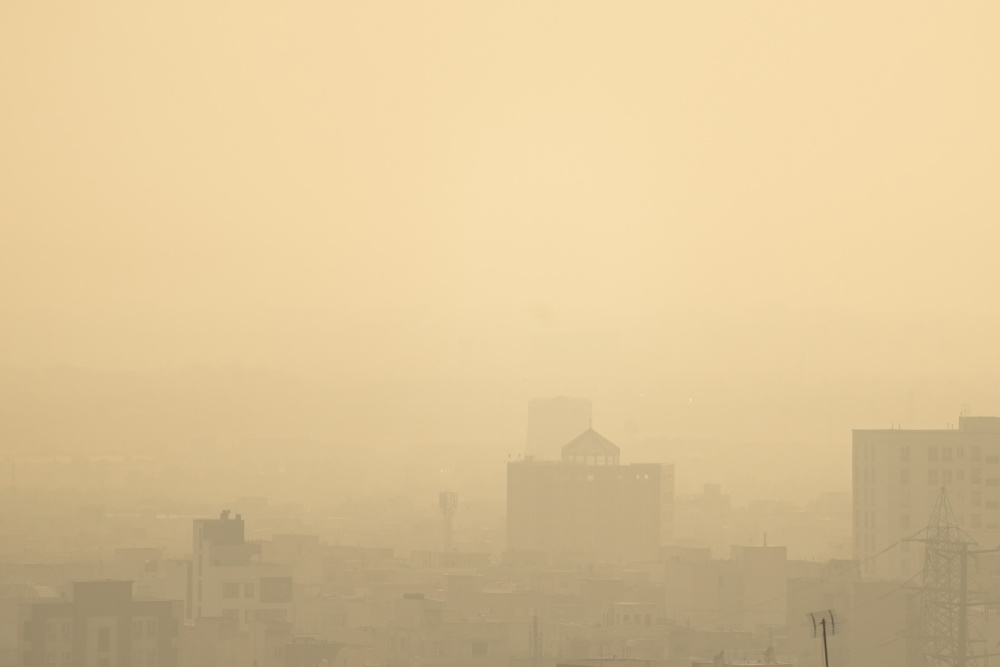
<point>823,623</point>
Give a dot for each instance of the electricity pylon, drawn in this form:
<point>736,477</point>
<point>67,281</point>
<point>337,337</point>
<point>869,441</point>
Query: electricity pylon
<point>944,609</point>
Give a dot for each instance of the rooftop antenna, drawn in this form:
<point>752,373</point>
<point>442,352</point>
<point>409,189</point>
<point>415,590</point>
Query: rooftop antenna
<point>823,622</point>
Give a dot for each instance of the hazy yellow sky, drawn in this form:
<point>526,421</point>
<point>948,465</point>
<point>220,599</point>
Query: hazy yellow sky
<point>376,186</point>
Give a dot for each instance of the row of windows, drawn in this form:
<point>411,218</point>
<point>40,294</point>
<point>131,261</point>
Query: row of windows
<point>256,614</point>
<point>949,453</point>
<point>58,630</point>
<point>58,658</point>
<point>233,589</point>
<point>865,497</point>
<point>62,631</point>
<point>975,452</point>
<point>144,628</point>
<point>947,475</point>
<point>868,475</point>
<point>477,649</point>
<point>975,520</point>
<point>590,478</point>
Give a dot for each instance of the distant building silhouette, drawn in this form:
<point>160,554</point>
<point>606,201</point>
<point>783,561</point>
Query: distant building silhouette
<point>101,625</point>
<point>228,580</point>
<point>587,506</point>
<point>552,422</point>
<point>899,473</point>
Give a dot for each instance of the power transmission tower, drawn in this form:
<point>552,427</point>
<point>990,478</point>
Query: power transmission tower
<point>944,609</point>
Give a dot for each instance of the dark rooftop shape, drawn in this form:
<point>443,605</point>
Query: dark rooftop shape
<point>590,443</point>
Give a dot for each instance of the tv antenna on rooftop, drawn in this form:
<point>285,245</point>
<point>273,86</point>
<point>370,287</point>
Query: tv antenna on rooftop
<point>823,623</point>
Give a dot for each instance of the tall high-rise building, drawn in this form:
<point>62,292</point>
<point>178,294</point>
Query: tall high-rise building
<point>587,506</point>
<point>552,422</point>
<point>898,475</point>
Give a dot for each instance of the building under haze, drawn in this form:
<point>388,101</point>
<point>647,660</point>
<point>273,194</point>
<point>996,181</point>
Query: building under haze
<point>552,422</point>
<point>898,474</point>
<point>587,506</point>
<point>101,625</point>
<point>228,578</point>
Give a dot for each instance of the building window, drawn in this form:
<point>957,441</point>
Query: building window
<point>960,452</point>
<point>932,454</point>
<point>231,613</point>
<point>248,590</point>
<point>977,520</point>
<point>904,475</point>
<point>932,476</point>
<point>976,476</point>
<point>976,453</point>
<point>992,459</point>
<point>904,454</point>
<point>104,639</point>
<point>151,628</point>
<point>230,590</point>
<point>946,453</point>
<point>137,629</point>
<point>991,481</point>
<point>946,475</point>
<point>992,504</point>
<point>480,649</point>
<point>960,474</point>
<point>976,498</point>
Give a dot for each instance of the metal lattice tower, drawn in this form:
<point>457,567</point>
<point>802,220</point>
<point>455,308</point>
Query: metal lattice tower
<point>944,618</point>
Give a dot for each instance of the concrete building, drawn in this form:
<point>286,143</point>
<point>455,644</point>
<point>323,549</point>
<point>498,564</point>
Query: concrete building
<point>746,593</point>
<point>899,473</point>
<point>228,578</point>
<point>552,422</point>
<point>587,504</point>
<point>101,625</point>
<point>880,618</point>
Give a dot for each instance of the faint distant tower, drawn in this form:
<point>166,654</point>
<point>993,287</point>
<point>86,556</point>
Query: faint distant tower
<point>448,502</point>
<point>552,422</point>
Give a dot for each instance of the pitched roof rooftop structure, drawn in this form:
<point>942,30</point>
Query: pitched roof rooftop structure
<point>590,447</point>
